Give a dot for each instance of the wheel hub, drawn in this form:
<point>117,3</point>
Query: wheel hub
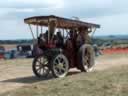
<point>60,65</point>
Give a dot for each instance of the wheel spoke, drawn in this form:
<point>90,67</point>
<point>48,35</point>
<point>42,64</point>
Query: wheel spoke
<point>37,66</point>
<point>39,70</point>
<point>60,71</point>
<point>63,69</point>
<point>43,71</point>
<point>39,62</point>
<point>56,62</point>
<point>63,62</point>
<point>45,61</point>
<point>60,60</point>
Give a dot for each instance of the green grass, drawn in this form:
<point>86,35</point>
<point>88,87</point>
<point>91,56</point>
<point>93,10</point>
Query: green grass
<point>111,82</point>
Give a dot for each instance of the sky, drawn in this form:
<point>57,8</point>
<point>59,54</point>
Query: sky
<point>110,14</point>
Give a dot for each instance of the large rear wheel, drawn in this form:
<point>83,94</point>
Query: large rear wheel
<point>59,66</point>
<point>86,58</point>
<point>40,66</point>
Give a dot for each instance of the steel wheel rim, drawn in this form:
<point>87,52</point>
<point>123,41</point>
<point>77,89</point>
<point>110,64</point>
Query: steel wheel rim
<point>41,66</point>
<point>60,66</point>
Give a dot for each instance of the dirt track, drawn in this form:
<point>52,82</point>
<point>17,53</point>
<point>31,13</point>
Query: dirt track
<point>17,73</point>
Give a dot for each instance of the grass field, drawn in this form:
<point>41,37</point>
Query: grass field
<point>112,81</point>
<point>106,83</point>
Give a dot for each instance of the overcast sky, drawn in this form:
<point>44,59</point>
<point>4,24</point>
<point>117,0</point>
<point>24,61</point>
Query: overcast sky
<point>112,15</point>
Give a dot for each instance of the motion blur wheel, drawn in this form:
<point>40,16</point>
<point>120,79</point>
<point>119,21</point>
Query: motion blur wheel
<point>86,56</point>
<point>40,66</point>
<point>59,66</point>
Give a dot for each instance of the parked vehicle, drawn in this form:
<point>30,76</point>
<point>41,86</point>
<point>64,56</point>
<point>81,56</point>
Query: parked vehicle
<point>10,54</point>
<point>2,51</point>
<point>24,51</point>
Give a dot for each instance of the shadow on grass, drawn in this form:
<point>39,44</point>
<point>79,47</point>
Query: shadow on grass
<point>33,79</point>
<point>73,73</point>
<point>27,80</point>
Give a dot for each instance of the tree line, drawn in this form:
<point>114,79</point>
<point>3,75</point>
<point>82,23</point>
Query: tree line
<point>15,41</point>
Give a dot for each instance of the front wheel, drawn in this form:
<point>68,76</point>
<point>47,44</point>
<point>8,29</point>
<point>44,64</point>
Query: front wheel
<point>86,56</point>
<point>40,66</point>
<point>59,66</point>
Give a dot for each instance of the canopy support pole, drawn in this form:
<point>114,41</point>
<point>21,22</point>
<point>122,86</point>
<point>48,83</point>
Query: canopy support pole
<point>67,33</point>
<point>37,33</point>
<point>32,34</point>
<point>93,33</point>
<point>41,29</point>
<point>63,33</point>
<point>31,31</point>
